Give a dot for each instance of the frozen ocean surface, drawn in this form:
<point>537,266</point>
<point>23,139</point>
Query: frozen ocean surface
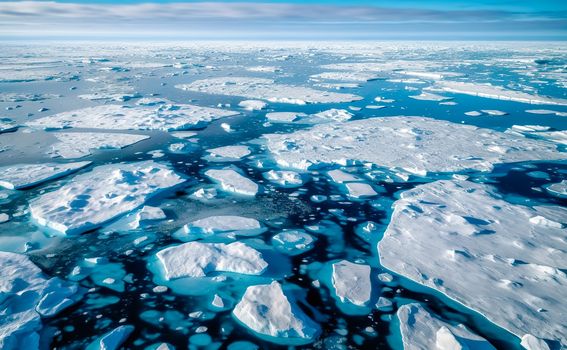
<point>344,195</point>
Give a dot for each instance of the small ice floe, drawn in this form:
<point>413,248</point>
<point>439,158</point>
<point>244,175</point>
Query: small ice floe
<point>221,225</point>
<point>351,282</point>
<point>330,115</point>
<point>184,134</point>
<point>117,117</point>
<point>20,176</point>
<point>546,112</point>
<point>345,76</point>
<point>284,178</point>
<point>284,117</point>
<point>226,127</point>
<point>112,340</point>
<point>265,89</point>
<point>7,125</point>
<point>494,112</point>
<point>293,242</point>
<point>233,181</point>
<point>106,192</point>
<point>228,153</point>
<point>384,304</point>
<point>558,189</point>
<point>421,330</point>
<point>340,176</point>
<point>494,92</point>
<point>4,218</point>
<point>419,146</point>
<point>274,316</point>
<point>360,190</point>
<point>264,69</point>
<point>27,296</point>
<point>195,259</point>
<point>443,230</point>
<point>182,147</point>
<point>473,114</point>
<point>80,144</point>
<point>428,96</point>
<point>253,105</point>
<point>529,342</point>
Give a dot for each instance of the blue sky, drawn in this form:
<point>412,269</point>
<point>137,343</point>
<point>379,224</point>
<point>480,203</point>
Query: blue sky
<point>286,19</point>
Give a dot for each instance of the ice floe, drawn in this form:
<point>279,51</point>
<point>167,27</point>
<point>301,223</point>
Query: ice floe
<point>495,92</point>
<point>558,189</point>
<point>7,125</point>
<point>80,144</point>
<point>113,339</point>
<point>444,230</point>
<point>22,176</point>
<point>421,145</point>
<point>351,282</point>
<point>223,224</point>
<point>546,112</point>
<point>228,153</point>
<point>427,96</point>
<point>267,310</point>
<point>117,117</point>
<point>293,242</point>
<point>360,190</point>
<point>196,259</point>
<point>100,195</point>
<point>231,180</point>
<point>284,117</point>
<point>253,105</point>
<point>422,331</point>
<point>284,178</point>
<point>266,89</point>
<point>27,295</point>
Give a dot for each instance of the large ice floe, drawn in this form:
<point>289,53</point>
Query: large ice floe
<point>351,282</point>
<point>274,315</point>
<point>196,259</point>
<point>503,260</point>
<point>27,295</point>
<point>80,144</point>
<point>108,191</point>
<point>233,181</point>
<point>422,145</point>
<point>117,117</point>
<point>266,89</point>
<point>495,92</point>
<point>421,330</point>
<point>20,176</point>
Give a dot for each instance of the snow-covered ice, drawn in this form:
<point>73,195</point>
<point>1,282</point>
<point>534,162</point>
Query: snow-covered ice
<point>80,144</point>
<point>266,89</point>
<point>284,117</point>
<point>267,310</point>
<point>360,190</point>
<point>196,259</point>
<point>253,105</point>
<point>513,255</point>
<point>231,180</point>
<point>21,176</point>
<point>421,330</point>
<point>351,282</point>
<point>106,192</point>
<point>113,339</point>
<point>228,153</point>
<point>422,145</point>
<point>118,117</point>
<point>293,242</point>
<point>284,178</point>
<point>222,224</point>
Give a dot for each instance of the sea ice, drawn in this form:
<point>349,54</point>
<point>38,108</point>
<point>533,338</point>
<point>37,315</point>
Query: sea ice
<point>196,259</point>
<point>340,176</point>
<point>20,176</point>
<point>284,178</point>
<point>7,125</point>
<point>268,311</point>
<point>232,181</point>
<point>422,331</point>
<point>113,339</point>
<point>415,145</point>
<point>351,282</point>
<point>117,117</point>
<point>494,92</point>
<point>360,190</point>
<point>228,153</point>
<point>558,189</point>
<point>214,225</point>
<point>293,242</point>
<point>100,195</point>
<point>284,117</point>
<point>27,294</point>
<point>444,230</point>
<point>80,144</point>
<point>427,96</point>
<point>253,105</point>
<point>265,89</point>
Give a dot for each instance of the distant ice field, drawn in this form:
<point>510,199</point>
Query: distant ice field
<point>251,195</point>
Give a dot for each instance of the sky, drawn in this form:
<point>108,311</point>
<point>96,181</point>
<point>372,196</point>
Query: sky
<point>285,20</point>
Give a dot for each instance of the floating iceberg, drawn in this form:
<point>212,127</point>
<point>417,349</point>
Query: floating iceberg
<point>195,259</point>
<point>80,144</point>
<point>268,311</point>
<point>422,331</point>
<point>20,176</point>
<point>232,181</point>
<point>415,145</point>
<point>118,117</point>
<point>266,89</point>
<point>513,256</point>
<point>27,295</point>
<point>100,195</point>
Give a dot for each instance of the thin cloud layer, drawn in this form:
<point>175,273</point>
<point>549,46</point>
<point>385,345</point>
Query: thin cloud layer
<point>53,18</point>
